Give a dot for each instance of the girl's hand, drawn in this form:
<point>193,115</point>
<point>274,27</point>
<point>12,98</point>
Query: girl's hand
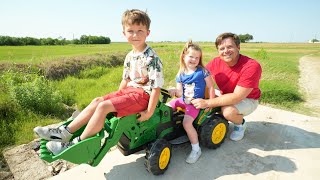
<point>172,92</point>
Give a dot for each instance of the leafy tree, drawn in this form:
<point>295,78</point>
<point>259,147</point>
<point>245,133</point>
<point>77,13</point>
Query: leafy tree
<point>5,40</point>
<point>76,41</point>
<point>94,40</point>
<point>31,41</point>
<point>84,39</point>
<point>245,37</point>
<point>314,40</point>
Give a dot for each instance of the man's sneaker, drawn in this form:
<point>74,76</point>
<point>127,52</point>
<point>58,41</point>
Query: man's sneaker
<point>57,147</point>
<point>238,131</point>
<point>60,134</point>
<point>193,156</point>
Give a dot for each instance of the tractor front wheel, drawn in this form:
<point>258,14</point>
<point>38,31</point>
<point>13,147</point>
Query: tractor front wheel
<point>213,133</point>
<point>158,156</point>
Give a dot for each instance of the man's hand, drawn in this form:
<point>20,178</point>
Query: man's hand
<point>144,115</point>
<point>200,103</point>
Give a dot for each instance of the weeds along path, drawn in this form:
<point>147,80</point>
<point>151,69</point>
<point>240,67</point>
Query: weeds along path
<point>310,81</point>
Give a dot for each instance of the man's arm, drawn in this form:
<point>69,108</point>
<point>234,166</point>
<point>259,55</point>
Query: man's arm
<point>153,101</point>
<point>238,95</point>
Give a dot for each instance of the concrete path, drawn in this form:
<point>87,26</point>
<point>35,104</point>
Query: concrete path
<point>278,145</point>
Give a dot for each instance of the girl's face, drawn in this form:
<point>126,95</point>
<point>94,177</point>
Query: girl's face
<point>136,35</point>
<point>191,59</point>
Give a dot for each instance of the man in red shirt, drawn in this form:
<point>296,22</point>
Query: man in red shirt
<point>237,77</point>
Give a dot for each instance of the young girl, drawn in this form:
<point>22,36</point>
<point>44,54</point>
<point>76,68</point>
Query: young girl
<point>192,80</point>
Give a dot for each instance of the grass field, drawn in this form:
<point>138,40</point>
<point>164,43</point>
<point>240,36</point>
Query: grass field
<point>37,54</point>
<point>279,83</point>
<point>279,61</point>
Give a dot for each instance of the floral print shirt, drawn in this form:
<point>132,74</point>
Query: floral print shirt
<point>144,70</point>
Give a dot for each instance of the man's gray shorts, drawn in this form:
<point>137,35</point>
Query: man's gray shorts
<point>246,106</point>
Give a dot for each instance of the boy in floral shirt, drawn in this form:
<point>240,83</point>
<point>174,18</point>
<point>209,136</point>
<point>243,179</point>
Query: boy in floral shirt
<point>138,92</point>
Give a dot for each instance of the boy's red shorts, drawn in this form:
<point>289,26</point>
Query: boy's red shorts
<point>128,101</point>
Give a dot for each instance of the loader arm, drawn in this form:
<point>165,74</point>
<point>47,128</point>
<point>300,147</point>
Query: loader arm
<point>93,149</point>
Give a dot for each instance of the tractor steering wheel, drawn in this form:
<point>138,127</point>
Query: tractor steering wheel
<point>165,95</point>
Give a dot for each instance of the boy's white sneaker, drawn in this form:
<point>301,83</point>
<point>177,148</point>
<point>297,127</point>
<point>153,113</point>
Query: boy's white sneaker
<point>60,134</point>
<point>57,147</point>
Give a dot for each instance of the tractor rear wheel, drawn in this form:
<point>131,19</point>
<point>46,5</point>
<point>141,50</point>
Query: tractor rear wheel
<point>213,133</point>
<point>158,155</point>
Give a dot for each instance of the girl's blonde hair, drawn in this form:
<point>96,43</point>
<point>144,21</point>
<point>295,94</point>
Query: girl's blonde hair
<point>187,47</point>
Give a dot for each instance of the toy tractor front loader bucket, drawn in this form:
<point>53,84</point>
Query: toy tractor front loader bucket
<point>83,152</point>
<point>93,149</point>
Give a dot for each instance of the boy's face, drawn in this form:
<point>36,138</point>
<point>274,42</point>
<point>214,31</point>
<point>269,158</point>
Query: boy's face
<point>136,34</point>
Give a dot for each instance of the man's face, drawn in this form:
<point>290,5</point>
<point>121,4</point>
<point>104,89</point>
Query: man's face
<point>229,51</point>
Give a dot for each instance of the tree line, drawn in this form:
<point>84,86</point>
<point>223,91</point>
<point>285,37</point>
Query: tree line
<point>84,39</point>
<point>25,41</point>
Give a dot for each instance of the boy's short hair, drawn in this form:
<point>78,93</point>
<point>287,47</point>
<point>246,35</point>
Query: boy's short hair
<point>223,36</point>
<point>135,16</point>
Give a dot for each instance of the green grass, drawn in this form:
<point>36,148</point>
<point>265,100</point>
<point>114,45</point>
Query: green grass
<point>279,83</point>
<point>83,90</point>
<point>18,129</point>
<point>37,54</point>
<point>280,77</point>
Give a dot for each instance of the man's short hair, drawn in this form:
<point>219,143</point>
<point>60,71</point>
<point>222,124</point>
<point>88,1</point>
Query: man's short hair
<point>223,36</point>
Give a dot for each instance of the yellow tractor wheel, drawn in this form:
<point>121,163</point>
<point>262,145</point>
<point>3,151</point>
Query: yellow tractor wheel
<point>158,155</point>
<point>213,132</point>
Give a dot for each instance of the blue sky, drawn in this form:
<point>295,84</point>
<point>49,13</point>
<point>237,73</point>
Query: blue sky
<point>172,20</point>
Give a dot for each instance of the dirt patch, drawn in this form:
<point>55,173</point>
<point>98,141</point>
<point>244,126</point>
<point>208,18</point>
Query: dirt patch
<point>24,163</point>
<point>309,82</point>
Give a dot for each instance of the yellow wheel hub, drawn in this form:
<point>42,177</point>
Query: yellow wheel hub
<point>164,158</point>
<point>218,133</point>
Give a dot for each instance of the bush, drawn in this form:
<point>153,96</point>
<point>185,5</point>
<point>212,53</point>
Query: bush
<point>7,107</point>
<point>262,55</point>
<point>38,96</point>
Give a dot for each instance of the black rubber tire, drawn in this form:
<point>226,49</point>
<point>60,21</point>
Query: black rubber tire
<point>213,133</point>
<point>158,155</point>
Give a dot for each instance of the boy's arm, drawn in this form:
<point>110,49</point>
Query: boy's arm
<point>123,84</point>
<point>153,101</point>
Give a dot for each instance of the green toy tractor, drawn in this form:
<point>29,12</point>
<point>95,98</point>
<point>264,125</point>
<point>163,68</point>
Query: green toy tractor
<point>153,135</point>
